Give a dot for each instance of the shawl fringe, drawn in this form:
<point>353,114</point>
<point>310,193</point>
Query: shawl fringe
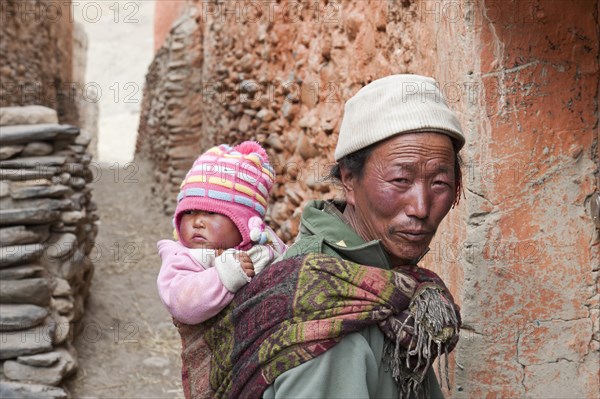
<point>433,331</point>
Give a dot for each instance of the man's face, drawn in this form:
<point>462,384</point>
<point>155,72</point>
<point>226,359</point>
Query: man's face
<point>407,188</point>
<point>200,229</point>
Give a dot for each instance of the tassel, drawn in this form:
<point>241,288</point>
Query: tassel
<point>435,326</point>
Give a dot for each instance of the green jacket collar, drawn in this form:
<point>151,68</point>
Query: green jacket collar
<point>321,218</point>
<point>324,219</point>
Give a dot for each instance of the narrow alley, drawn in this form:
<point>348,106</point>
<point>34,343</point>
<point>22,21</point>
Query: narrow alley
<point>128,347</point>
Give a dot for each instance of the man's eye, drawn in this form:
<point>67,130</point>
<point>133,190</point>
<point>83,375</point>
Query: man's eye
<point>441,183</point>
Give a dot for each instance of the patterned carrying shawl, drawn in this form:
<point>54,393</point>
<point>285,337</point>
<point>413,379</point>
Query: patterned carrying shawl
<point>300,307</point>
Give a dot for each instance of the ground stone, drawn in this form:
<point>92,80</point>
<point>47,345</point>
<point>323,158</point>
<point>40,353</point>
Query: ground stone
<point>39,191</point>
<point>77,182</point>
<point>52,375</point>
<point>4,188</point>
<point>274,142</point>
<point>20,272</point>
<point>19,316</point>
<point>305,148</point>
<point>72,217</point>
<point>69,268</point>
<point>36,203</point>
<point>28,183</point>
<point>19,134</point>
<point>62,247</point>
<point>62,305</point>
<point>17,254</point>
<point>28,216</point>
<point>32,291</point>
<point>27,115</point>
<point>265,115</point>
<point>63,330</point>
<point>17,390</point>
<point>10,150</point>
<point>27,342</point>
<point>37,148</point>
<point>61,287</point>
<point>33,162</point>
<point>17,235</point>
<point>23,174</point>
<point>42,360</point>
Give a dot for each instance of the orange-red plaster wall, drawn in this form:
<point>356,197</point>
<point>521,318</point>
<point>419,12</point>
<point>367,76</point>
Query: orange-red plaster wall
<point>521,251</point>
<point>167,12</point>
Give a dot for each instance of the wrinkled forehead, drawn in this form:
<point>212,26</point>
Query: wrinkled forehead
<point>426,147</point>
<point>427,168</point>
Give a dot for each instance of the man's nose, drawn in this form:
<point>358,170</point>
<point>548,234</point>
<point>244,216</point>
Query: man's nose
<point>418,204</point>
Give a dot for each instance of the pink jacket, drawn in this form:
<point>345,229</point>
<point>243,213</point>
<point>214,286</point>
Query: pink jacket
<point>196,284</point>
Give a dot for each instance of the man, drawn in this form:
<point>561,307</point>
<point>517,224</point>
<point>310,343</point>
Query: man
<point>397,161</point>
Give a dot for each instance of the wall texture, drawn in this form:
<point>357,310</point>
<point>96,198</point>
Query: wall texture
<point>36,55</point>
<point>167,12</point>
<point>520,252</point>
<point>530,289</point>
<point>47,231</point>
<point>47,219</point>
<point>42,61</point>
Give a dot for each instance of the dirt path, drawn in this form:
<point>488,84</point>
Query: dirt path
<point>128,347</point>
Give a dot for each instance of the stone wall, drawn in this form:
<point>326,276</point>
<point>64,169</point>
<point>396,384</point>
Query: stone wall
<point>167,11</point>
<point>520,252</point>
<point>47,230</point>
<point>169,125</point>
<point>284,85</point>
<point>42,61</point>
<point>37,68</point>
<point>88,110</point>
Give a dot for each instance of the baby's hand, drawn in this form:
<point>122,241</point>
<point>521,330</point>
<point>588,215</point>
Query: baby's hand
<point>261,256</point>
<point>246,263</point>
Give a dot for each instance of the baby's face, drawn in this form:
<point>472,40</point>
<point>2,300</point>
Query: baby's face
<point>201,229</point>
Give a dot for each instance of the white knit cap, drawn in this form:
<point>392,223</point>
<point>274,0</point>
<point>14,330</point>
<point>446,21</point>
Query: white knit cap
<point>396,104</point>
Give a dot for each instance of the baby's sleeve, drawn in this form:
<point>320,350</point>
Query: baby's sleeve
<point>230,270</point>
<point>188,286</point>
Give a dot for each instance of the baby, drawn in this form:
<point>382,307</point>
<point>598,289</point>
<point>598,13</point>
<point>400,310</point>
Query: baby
<point>222,238</point>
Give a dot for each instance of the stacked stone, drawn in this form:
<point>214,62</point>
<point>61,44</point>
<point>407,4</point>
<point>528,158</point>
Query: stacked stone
<point>170,132</point>
<point>47,230</point>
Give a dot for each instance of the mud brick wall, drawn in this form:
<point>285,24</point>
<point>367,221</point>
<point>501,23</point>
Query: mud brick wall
<point>43,61</point>
<point>47,230</point>
<point>169,125</point>
<point>37,55</point>
<point>520,252</point>
<point>284,85</point>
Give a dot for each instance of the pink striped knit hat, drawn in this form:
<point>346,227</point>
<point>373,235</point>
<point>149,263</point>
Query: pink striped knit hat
<point>234,182</point>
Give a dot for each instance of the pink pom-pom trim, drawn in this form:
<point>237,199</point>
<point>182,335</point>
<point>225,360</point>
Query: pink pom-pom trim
<point>248,147</point>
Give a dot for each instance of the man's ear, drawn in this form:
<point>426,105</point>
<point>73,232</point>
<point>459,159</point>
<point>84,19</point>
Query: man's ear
<point>348,180</point>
